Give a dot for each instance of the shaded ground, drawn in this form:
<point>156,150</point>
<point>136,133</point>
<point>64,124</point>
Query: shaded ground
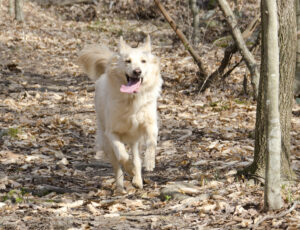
<point>50,177</point>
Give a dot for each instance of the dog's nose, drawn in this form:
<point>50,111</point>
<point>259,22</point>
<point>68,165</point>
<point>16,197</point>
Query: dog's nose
<point>137,72</point>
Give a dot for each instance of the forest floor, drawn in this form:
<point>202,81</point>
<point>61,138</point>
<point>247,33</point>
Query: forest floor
<point>50,176</point>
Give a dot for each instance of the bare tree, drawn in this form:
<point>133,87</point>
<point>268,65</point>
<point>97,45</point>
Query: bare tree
<point>196,21</point>
<point>16,6</point>
<point>11,7</point>
<point>297,83</point>
<point>19,10</point>
<point>271,55</point>
<point>287,60</point>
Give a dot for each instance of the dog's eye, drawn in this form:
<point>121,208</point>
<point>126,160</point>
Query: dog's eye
<point>143,61</point>
<point>128,61</point>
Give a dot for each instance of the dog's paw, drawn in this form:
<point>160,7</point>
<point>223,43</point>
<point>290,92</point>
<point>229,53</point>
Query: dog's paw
<point>137,181</point>
<point>150,165</point>
<point>128,167</point>
<point>120,191</point>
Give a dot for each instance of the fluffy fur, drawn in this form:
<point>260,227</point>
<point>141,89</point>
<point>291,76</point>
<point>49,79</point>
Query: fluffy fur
<point>125,116</point>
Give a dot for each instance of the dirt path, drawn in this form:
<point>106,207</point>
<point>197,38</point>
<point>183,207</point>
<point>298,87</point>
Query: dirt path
<point>50,177</point>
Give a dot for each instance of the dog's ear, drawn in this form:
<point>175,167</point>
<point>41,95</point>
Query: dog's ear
<point>123,47</point>
<point>147,44</point>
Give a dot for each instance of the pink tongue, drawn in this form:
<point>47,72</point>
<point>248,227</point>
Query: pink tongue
<point>131,88</point>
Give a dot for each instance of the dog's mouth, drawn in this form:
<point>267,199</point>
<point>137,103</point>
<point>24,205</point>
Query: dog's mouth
<point>133,84</point>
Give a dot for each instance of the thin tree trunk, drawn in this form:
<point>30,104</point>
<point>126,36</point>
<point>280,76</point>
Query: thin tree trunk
<point>287,59</point>
<point>19,10</point>
<point>298,38</point>
<point>297,75</point>
<point>271,54</point>
<point>11,7</point>
<point>196,21</point>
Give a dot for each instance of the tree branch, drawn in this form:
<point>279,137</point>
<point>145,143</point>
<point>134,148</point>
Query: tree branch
<point>229,51</point>
<point>182,37</point>
<point>238,38</point>
<point>242,59</point>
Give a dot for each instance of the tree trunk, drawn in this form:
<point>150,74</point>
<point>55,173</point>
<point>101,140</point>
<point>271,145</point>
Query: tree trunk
<point>196,20</point>
<point>19,10</point>
<point>11,7</point>
<point>297,83</point>
<point>287,47</point>
<point>271,55</point>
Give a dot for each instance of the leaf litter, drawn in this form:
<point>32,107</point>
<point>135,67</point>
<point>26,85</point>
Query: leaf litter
<point>51,178</point>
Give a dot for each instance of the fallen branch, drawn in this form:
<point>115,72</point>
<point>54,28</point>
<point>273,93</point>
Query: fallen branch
<point>67,2</point>
<point>282,214</point>
<point>182,37</point>
<point>238,38</point>
<point>242,59</point>
<point>229,51</point>
<point>45,189</point>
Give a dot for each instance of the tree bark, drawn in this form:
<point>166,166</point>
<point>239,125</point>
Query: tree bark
<point>271,54</point>
<point>19,10</point>
<point>287,59</point>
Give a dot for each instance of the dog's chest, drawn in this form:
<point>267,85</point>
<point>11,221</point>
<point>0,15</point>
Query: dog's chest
<point>129,122</point>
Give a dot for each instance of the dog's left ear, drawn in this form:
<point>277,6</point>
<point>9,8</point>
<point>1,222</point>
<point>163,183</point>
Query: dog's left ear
<point>147,44</point>
<point>123,47</point>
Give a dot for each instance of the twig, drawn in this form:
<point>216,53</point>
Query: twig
<point>182,37</point>
<point>163,212</point>
<point>238,38</point>
<point>245,84</point>
<point>267,217</point>
<point>68,2</point>
<point>231,69</point>
<point>45,189</point>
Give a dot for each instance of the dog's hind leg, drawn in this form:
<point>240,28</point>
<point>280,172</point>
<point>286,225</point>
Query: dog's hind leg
<point>137,166</point>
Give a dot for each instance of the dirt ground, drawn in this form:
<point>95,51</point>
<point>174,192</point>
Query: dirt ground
<point>50,176</point>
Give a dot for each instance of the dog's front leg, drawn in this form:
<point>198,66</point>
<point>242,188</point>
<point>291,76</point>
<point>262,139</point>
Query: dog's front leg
<point>120,153</point>
<point>151,142</point>
<point>137,166</point>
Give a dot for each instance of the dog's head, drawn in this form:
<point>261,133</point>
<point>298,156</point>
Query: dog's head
<point>140,66</point>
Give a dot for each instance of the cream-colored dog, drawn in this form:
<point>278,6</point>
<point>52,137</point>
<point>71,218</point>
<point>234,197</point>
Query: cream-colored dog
<point>128,84</point>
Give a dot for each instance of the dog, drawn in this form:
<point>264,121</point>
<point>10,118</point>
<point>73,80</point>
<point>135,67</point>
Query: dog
<point>127,86</point>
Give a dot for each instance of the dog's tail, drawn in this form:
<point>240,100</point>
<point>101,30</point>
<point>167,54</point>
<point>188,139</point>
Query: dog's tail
<point>94,59</point>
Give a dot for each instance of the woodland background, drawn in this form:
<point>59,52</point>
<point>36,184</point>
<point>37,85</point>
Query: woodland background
<point>50,177</point>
